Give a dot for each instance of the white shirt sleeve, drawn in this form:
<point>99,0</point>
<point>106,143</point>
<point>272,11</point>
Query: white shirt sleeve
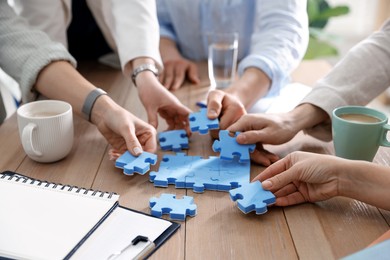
<point>358,78</point>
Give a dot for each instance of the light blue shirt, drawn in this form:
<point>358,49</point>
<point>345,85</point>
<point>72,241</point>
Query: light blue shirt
<point>273,34</point>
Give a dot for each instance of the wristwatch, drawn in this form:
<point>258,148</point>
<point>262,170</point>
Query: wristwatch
<point>144,67</point>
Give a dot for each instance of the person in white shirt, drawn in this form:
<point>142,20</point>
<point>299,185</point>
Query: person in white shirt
<point>131,30</point>
<point>44,67</point>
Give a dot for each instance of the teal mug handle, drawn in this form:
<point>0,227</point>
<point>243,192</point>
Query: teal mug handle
<point>384,141</point>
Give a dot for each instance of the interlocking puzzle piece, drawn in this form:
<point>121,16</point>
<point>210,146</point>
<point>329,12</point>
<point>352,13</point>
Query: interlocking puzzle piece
<point>252,196</point>
<point>232,174</point>
<point>140,164</point>
<point>174,140</point>
<point>202,179</point>
<point>201,123</point>
<point>194,172</point>
<point>177,209</point>
<point>173,170</point>
<point>229,148</point>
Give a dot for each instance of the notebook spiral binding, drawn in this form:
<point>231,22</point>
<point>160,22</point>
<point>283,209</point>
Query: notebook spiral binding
<point>24,179</point>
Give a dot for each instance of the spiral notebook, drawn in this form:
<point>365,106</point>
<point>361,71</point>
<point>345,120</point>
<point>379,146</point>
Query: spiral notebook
<point>42,220</point>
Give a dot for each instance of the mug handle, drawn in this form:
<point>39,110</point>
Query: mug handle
<point>27,140</point>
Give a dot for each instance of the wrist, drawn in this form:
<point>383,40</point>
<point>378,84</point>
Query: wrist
<point>145,68</point>
<point>306,116</point>
<point>253,81</point>
<point>102,105</point>
<point>354,178</point>
<point>90,102</point>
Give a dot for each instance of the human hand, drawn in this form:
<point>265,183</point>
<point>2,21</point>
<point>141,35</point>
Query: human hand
<point>264,128</point>
<point>123,130</point>
<point>224,106</point>
<point>158,100</point>
<point>302,177</point>
<point>176,71</point>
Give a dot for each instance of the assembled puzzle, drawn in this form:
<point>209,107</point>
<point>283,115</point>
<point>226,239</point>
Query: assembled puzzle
<point>199,174</point>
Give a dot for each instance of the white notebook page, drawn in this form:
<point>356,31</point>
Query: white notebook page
<point>117,233</point>
<point>46,223</point>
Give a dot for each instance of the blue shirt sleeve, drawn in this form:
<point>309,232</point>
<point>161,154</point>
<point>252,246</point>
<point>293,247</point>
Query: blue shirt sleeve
<point>164,20</point>
<point>279,40</point>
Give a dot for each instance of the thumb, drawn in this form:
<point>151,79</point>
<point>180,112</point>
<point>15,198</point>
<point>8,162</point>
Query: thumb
<point>279,181</point>
<point>250,137</point>
<point>133,145</point>
<point>214,104</point>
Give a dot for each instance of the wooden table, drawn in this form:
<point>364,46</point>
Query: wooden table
<point>324,230</point>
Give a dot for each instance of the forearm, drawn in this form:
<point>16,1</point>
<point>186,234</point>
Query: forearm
<point>367,182</point>
<point>252,85</point>
<point>59,80</point>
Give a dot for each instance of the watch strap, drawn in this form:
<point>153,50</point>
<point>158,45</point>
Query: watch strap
<point>90,102</point>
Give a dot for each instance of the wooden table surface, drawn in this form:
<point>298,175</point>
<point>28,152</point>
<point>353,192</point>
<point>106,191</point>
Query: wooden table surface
<point>324,230</point>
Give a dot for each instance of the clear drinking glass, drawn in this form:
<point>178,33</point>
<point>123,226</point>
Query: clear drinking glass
<point>222,58</point>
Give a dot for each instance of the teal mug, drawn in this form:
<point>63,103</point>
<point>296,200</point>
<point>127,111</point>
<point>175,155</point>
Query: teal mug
<point>358,132</point>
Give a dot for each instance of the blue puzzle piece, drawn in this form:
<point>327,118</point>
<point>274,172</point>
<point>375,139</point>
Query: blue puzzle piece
<point>174,140</point>
<point>177,209</point>
<point>233,174</point>
<point>229,148</point>
<point>201,123</point>
<point>140,164</point>
<point>252,196</point>
<point>173,170</point>
<point>194,172</point>
<point>203,179</point>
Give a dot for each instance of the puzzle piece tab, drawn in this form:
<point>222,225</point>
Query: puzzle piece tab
<point>177,209</point>
<point>130,163</point>
<point>201,123</point>
<point>174,140</point>
<point>252,196</point>
<point>229,148</point>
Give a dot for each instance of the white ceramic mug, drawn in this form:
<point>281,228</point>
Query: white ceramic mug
<point>46,129</point>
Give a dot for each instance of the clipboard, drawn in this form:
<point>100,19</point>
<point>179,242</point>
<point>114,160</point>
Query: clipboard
<point>67,222</point>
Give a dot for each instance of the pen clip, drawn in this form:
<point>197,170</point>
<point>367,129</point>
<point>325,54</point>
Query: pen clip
<point>134,242</point>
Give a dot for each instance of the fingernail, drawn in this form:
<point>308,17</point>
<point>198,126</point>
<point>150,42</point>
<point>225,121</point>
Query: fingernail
<point>137,150</point>
<point>242,139</point>
<point>213,113</point>
<point>267,185</point>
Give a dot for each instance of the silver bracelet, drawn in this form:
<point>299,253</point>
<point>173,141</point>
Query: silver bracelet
<point>144,67</point>
<point>90,101</point>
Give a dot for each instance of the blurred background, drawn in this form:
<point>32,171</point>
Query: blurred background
<point>335,26</point>
<point>353,20</point>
